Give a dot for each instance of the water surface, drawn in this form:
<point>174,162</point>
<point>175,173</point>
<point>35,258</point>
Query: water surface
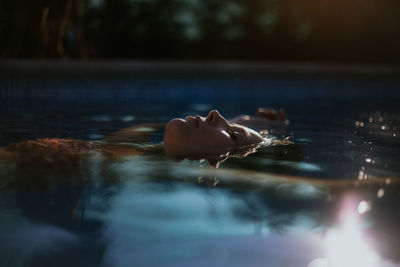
<point>330,200</point>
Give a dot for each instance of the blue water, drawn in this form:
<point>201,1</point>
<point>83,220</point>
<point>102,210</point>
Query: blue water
<point>331,199</point>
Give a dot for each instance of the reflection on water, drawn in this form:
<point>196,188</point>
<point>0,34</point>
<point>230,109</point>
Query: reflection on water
<point>127,210</point>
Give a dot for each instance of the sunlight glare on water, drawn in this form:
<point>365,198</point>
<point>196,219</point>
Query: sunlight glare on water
<point>346,247</point>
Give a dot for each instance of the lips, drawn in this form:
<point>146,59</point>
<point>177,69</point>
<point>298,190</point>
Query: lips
<point>195,120</point>
<point>190,119</point>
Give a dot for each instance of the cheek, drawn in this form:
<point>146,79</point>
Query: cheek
<point>179,132</point>
<point>213,138</point>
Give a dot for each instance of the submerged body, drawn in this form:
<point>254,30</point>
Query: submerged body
<point>193,137</point>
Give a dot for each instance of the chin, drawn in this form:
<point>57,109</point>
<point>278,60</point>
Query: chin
<point>173,131</point>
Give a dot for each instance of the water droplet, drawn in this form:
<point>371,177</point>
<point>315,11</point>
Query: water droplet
<point>368,160</point>
<point>363,207</point>
<point>383,127</point>
<point>380,193</point>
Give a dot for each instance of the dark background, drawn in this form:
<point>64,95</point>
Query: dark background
<point>332,31</point>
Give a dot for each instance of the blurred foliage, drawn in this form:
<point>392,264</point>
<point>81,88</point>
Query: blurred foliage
<point>322,30</point>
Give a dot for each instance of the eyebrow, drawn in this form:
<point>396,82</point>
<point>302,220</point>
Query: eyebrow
<point>231,133</point>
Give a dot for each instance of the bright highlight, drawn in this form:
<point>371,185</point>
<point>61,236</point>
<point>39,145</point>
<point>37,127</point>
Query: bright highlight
<point>347,248</point>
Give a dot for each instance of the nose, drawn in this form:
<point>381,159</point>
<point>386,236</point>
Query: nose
<point>214,119</point>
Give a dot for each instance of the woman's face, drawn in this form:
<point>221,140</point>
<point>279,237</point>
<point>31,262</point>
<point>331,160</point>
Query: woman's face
<point>213,133</point>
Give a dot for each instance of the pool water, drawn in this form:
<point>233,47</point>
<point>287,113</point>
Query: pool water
<point>329,200</point>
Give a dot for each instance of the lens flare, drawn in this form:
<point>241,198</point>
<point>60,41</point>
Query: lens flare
<point>346,246</point>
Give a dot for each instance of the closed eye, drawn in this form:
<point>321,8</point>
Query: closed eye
<point>238,135</point>
<point>233,136</point>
